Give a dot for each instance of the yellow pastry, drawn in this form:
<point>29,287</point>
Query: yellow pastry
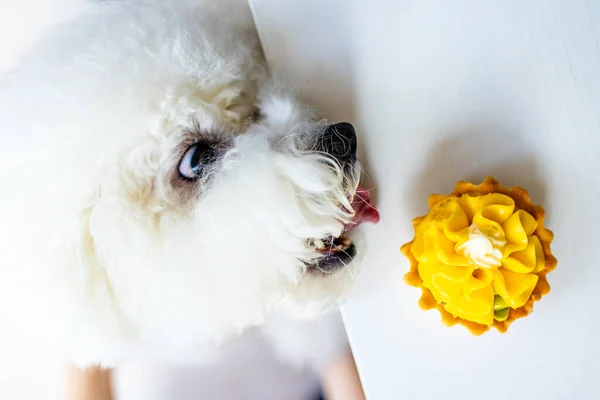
<point>481,255</point>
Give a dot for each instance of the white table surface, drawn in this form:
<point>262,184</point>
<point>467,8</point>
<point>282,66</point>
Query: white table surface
<point>442,91</point>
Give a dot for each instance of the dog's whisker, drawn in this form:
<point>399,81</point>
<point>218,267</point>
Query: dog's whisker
<point>349,270</point>
<point>367,202</point>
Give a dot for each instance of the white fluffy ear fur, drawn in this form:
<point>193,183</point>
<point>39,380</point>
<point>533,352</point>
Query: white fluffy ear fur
<point>104,249</point>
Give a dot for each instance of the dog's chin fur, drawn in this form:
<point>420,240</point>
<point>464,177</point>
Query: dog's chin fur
<point>105,251</point>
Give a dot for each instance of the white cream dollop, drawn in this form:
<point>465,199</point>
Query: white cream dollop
<point>483,247</point>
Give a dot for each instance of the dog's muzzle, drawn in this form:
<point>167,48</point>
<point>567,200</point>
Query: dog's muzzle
<point>339,141</point>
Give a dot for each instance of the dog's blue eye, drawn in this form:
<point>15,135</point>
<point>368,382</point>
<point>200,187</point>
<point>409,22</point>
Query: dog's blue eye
<point>195,159</point>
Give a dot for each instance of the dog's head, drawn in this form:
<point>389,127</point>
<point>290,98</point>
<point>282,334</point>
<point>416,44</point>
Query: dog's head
<point>239,224</point>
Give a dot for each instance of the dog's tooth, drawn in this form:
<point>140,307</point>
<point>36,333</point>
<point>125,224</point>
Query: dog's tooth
<point>319,244</point>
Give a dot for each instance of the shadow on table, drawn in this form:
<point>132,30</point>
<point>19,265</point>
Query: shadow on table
<point>471,155</point>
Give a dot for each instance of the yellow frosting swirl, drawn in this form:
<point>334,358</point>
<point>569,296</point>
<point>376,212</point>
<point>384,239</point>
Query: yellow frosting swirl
<point>478,256</point>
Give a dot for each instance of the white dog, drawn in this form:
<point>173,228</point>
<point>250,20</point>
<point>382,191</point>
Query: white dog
<point>161,194</point>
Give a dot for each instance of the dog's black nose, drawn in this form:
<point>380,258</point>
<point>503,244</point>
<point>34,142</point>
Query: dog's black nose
<point>339,141</point>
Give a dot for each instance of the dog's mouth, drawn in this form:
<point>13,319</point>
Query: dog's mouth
<point>339,251</point>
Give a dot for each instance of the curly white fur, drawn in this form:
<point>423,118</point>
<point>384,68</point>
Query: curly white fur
<point>100,251</point>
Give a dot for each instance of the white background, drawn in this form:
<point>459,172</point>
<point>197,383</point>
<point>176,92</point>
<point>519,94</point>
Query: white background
<point>442,91</point>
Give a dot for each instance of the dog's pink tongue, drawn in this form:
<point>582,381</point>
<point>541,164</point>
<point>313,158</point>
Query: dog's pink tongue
<point>365,212</point>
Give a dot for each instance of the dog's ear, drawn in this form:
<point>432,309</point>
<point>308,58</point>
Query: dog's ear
<point>96,310</point>
<point>238,105</point>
